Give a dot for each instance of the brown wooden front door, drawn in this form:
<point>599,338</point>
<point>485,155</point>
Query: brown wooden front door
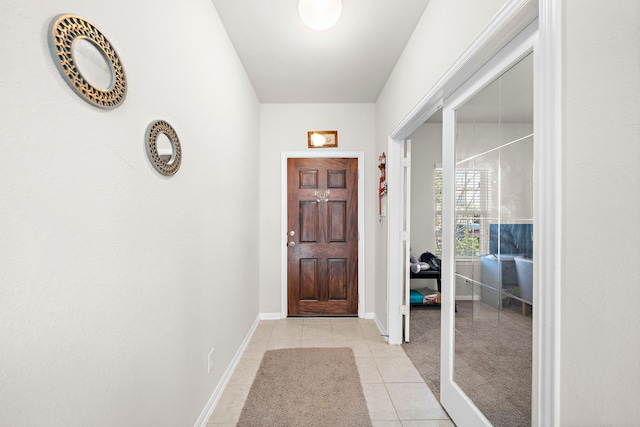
<point>322,272</point>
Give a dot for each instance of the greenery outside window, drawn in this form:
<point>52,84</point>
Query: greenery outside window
<point>472,212</point>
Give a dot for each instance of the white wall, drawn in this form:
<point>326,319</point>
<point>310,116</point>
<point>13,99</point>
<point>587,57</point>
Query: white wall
<point>426,152</point>
<point>116,282</point>
<point>283,128</point>
<point>600,335</point>
<point>445,30</point>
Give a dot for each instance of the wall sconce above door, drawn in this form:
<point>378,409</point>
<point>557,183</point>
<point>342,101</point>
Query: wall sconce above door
<point>322,139</point>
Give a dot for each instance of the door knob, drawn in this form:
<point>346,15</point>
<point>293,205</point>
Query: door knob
<point>292,244</point>
<point>292,233</point>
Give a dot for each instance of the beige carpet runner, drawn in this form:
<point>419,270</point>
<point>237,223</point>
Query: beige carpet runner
<point>311,387</point>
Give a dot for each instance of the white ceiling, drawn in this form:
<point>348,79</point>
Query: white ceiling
<point>287,62</point>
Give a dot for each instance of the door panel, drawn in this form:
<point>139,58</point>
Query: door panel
<point>337,279</point>
<point>309,279</point>
<point>308,225</point>
<point>322,265</point>
<point>337,222</point>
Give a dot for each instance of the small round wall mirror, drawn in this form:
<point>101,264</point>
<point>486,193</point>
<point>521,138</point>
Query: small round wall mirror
<point>87,61</point>
<point>163,147</point>
<point>93,64</point>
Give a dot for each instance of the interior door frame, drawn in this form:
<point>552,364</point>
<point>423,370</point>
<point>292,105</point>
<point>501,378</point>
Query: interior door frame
<point>512,18</point>
<point>321,154</point>
<point>406,214</point>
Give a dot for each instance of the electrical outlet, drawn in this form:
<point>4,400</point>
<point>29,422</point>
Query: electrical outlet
<point>210,361</point>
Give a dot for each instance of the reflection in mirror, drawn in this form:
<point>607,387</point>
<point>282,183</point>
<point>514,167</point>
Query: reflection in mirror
<point>165,148</point>
<point>494,246</point>
<point>92,64</point>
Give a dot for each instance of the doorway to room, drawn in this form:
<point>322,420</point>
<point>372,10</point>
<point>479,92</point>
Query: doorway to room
<point>515,17</point>
<point>422,340</point>
<point>492,243</point>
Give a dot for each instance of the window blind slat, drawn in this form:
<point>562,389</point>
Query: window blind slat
<point>472,211</point>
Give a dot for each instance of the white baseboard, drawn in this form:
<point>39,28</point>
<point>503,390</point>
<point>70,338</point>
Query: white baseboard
<point>381,327</point>
<point>369,316</point>
<point>270,316</point>
<point>217,393</point>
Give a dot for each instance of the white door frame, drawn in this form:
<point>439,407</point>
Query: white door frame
<point>512,18</point>
<point>321,154</point>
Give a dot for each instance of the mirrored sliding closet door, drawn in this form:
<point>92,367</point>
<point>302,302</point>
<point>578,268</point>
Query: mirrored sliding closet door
<point>490,191</point>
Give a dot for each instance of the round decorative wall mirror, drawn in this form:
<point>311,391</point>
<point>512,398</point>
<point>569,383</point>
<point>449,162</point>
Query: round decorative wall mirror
<point>92,63</point>
<point>163,147</point>
<point>87,61</point>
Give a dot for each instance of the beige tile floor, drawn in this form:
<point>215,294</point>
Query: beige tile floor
<point>396,394</point>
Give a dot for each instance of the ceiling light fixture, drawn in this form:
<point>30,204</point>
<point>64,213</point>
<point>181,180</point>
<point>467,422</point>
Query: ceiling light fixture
<point>320,14</point>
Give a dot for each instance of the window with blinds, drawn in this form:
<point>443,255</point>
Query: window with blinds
<point>472,206</point>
